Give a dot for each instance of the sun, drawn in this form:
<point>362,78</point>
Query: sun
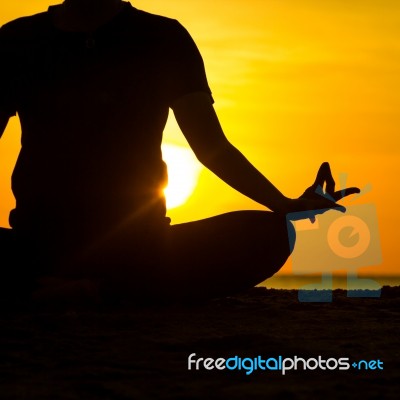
<point>183,173</point>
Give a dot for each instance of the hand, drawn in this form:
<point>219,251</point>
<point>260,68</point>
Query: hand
<point>315,201</point>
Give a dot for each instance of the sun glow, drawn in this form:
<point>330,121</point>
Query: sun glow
<point>183,173</point>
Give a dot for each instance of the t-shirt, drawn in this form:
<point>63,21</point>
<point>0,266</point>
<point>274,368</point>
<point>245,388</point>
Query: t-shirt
<point>92,109</point>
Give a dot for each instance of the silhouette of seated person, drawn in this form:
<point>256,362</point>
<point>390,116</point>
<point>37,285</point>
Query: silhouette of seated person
<point>92,83</point>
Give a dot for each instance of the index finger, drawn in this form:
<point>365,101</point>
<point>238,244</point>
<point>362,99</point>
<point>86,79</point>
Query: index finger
<point>324,175</point>
<point>345,192</point>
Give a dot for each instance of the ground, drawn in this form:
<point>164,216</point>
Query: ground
<point>99,351</point>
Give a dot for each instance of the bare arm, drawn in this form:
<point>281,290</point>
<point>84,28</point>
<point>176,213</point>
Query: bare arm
<point>199,123</point>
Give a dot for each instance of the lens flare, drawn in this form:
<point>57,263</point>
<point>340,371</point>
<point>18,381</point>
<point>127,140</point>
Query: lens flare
<point>183,173</point>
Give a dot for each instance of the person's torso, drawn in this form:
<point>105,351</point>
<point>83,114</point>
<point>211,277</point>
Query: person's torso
<point>92,112</point>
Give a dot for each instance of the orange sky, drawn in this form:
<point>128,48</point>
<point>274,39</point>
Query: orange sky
<point>295,83</point>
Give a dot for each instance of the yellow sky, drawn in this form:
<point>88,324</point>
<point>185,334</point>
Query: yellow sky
<point>295,83</point>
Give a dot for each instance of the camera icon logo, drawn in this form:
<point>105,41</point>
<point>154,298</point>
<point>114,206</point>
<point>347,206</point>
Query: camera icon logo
<point>337,242</point>
<point>359,229</point>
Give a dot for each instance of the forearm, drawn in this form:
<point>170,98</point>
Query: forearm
<point>200,125</point>
<point>232,167</point>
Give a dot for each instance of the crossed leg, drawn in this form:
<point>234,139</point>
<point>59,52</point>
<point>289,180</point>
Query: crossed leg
<point>213,257</point>
<point>227,253</point>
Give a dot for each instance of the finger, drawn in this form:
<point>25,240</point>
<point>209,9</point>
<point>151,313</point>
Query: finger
<point>330,182</point>
<point>320,179</point>
<point>324,178</point>
<point>345,192</point>
<point>327,204</point>
<point>312,214</point>
<point>340,208</point>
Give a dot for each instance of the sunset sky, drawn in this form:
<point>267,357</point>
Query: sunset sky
<point>295,83</point>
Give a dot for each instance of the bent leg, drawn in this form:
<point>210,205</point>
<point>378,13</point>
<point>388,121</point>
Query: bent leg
<point>227,253</point>
<point>212,257</point>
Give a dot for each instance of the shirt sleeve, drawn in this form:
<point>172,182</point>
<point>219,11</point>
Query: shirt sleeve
<point>7,72</point>
<point>185,72</point>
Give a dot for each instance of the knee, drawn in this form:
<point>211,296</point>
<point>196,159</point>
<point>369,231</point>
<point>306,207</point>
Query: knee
<point>281,242</point>
<point>281,232</point>
<point>286,237</point>
<point>291,235</point>
<point>285,234</point>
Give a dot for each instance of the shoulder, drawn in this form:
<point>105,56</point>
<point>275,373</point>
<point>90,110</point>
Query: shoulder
<point>24,28</point>
<point>152,20</point>
<point>25,25</point>
<point>157,24</point>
